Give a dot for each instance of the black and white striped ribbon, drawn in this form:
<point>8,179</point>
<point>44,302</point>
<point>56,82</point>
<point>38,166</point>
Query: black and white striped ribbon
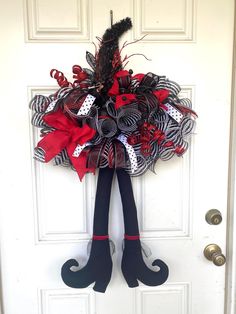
<point>127,119</point>
<point>37,120</point>
<point>39,103</point>
<point>171,86</point>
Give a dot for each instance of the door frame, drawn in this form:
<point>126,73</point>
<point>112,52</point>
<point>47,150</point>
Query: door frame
<point>230,278</point>
<point>230,293</point>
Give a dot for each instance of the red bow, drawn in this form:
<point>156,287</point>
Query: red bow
<point>161,95</point>
<point>121,99</point>
<point>114,90</point>
<point>67,135</point>
<point>125,99</point>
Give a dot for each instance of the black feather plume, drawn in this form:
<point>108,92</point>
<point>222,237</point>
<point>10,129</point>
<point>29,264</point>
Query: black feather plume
<point>109,47</point>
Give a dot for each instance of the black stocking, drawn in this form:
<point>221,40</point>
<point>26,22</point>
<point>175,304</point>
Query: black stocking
<point>133,265</point>
<point>99,266</point>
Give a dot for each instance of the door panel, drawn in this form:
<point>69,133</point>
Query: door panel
<point>47,214</point>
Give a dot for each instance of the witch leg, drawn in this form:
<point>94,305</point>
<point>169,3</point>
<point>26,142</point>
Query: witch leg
<point>133,265</point>
<point>99,266</point>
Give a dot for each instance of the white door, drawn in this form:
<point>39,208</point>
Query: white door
<point>46,213</point>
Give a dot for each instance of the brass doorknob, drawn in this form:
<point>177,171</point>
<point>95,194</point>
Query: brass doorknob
<point>214,217</point>
<point>213,253</point>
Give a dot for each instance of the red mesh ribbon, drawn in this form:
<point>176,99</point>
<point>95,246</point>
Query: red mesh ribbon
<point>66,136</point>
<point>161,94</point>
<point>115,89</point>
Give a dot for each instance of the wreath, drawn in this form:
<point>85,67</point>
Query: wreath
<point>112,119</point>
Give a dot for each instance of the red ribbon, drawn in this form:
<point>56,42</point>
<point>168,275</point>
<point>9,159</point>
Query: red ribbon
<point>121,99</point>
<point>100,237</point>
<point>60,77</point>
<point>66,136</point>
<point>133,237</point>
<point>114,90</point>
<point>139,76</point>
<point>125,99</point>
<point>161,95</point>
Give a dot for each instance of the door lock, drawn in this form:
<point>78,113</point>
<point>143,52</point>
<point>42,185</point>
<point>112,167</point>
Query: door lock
<point>213,253</point>
<point>213,217</point>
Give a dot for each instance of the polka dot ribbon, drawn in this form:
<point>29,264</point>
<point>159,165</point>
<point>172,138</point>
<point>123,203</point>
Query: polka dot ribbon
<point>132,156</point>
<point>86,105</point>
<point>174,113</point>
<point>51,106</point>
<point>79,149</point>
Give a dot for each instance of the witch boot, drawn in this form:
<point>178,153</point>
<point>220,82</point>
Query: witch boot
<point>132,265</point>
<point>99,266</point>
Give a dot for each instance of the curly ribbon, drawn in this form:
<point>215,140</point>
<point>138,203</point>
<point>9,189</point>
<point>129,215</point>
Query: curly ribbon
<point>81,77</point>
<point>148,134</point>
<point>60,77</point>
<point>67,135</point>
<point>132,156</point>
